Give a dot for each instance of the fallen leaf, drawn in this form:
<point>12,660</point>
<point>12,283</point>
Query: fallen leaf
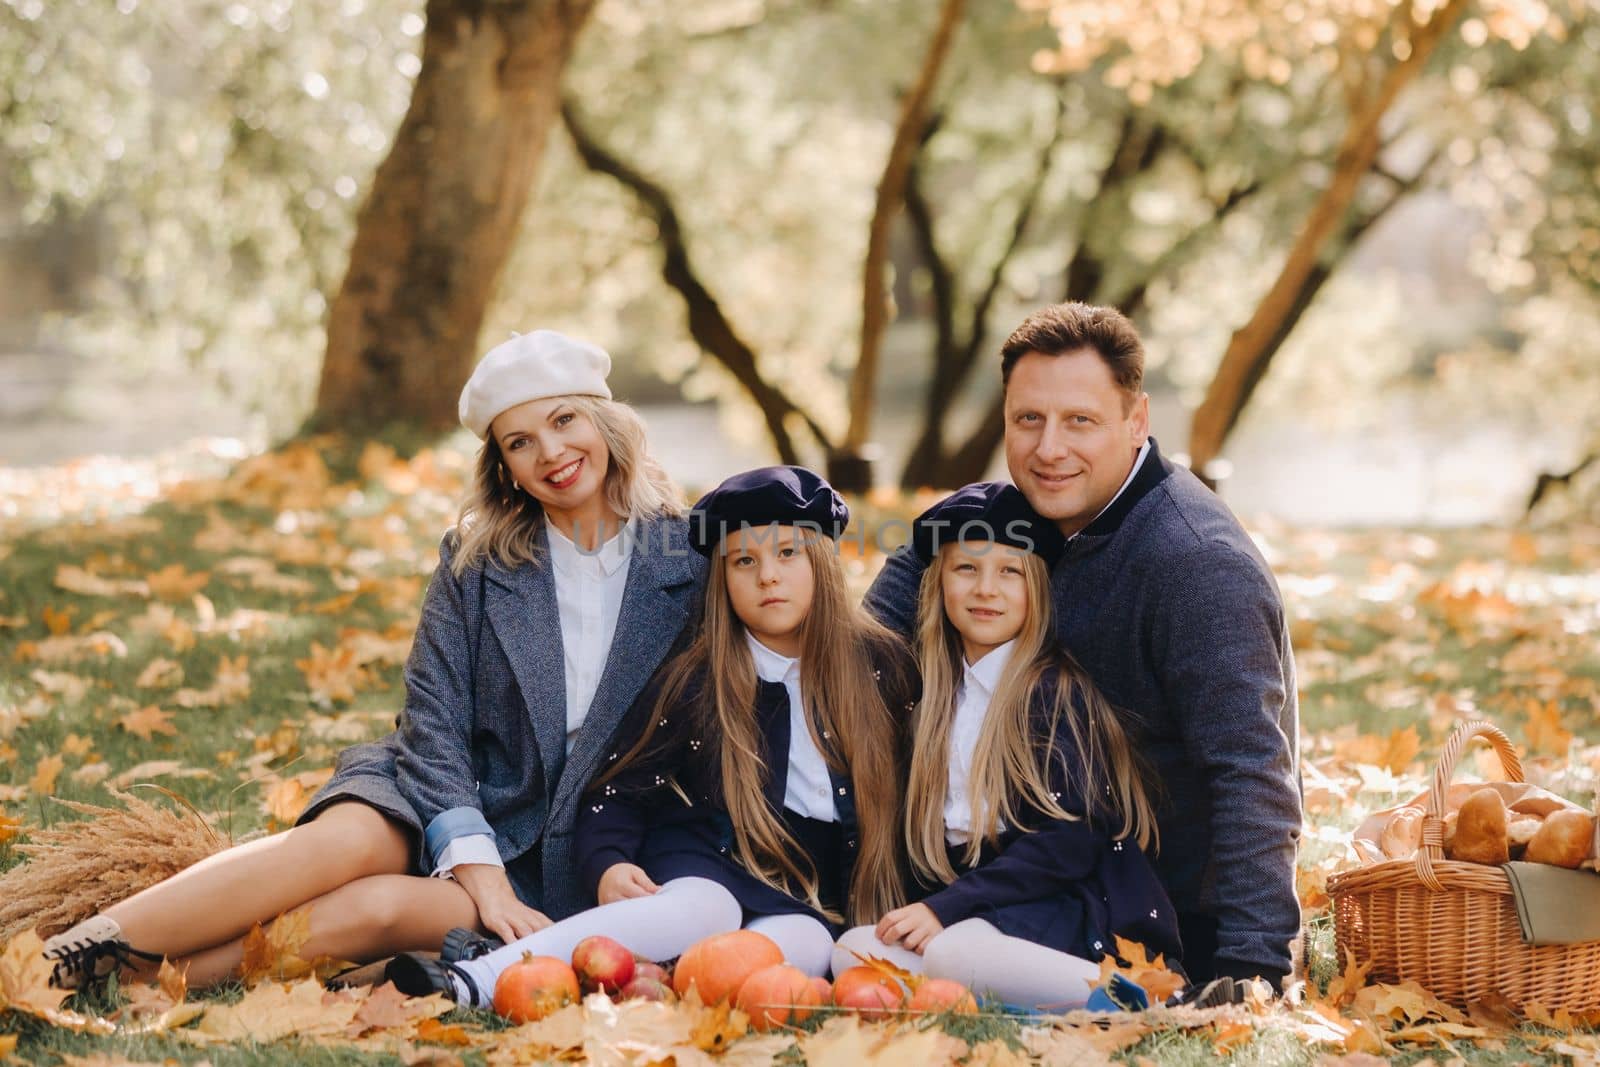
<point>1544,730</point>
<point>58,650</point>
<point>175,584</point>
<point>160,674</point>
<point>77,580</point>
<point>332,676</point>
<point>10,826</point>
<point>147,722</point>
<point>273,1011</point>
<point>274,952</point>
<point>1154,976</point>
<point>438,1033</point>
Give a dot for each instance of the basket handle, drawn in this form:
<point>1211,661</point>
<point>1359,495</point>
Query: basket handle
<point>1433,820</point>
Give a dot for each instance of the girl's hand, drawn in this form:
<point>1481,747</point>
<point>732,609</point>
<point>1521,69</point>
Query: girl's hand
<point>912,926</point>
<point>499,910</point>
<point>624,880</point>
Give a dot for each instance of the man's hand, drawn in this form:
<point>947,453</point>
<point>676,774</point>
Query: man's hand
<point>623,881</point>
<point>499,910</point>
<point>912,926</point>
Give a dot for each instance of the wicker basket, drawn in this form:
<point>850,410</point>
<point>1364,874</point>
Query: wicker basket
<point>1452,927</point>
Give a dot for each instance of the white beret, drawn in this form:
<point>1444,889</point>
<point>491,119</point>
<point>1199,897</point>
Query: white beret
<point>532,366</point>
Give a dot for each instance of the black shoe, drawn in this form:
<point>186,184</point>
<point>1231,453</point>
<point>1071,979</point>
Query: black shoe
<point>1217,992</point>
<point>90,951</point>
<point>418,975</point>
<point>463,943</point>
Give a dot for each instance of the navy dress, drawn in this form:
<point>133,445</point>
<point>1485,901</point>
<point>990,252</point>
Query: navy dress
<point>1069,884</point>
<point>665,811</point>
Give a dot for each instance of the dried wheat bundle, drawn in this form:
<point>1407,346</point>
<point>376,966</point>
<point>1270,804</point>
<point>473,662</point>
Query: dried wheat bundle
<point>79,868</point>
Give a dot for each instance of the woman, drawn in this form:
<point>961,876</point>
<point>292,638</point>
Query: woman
<point>565,584</point>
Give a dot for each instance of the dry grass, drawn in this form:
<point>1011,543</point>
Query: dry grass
<point>77,868</point>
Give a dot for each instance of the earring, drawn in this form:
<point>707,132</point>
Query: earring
<point>515,485</point>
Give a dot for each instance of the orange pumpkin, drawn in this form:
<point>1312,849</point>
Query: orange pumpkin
<point>777,995</point>
<point>718,965</point>
<point>943,994</point>
<point>534,987</point>
<point>824,990</point>
<point>868,991</point>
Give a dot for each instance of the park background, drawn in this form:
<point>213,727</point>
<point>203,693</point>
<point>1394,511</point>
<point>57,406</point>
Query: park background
<point>249,251</point>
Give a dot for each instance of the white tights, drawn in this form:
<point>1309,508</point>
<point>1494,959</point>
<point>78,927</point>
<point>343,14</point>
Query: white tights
<point>658,927</point>
<point>976,954</point>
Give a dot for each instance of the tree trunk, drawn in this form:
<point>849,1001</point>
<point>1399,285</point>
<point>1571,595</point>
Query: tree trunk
<point>1251,347</point>
<point>438,224</point>
<point>891,194</point>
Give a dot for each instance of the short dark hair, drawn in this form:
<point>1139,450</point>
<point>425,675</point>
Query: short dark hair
<point>1062,328</point>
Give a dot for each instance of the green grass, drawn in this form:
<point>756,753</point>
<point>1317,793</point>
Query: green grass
<point>363,547</point>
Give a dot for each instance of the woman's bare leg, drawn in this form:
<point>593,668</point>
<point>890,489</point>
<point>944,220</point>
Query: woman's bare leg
<point>366,920</point>
<point>217,900</point>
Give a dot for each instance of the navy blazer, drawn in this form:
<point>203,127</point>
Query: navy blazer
<point>676,783</point>
<point>481,743</point>
<point>1071,884</point>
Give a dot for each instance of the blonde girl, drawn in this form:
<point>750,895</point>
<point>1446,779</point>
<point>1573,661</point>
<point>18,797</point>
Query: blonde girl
<point>758,785</point>
<point>1026,813</point>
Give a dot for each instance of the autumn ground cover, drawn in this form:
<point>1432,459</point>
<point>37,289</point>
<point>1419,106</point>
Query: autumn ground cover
<point>220,626</point>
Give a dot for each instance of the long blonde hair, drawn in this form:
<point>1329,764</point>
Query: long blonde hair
<point>845,711</point>
<point>501,522</point>
<point>1011,764</point>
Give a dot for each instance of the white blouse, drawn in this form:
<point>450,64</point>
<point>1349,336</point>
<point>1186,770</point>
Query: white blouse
<point>977,689</point>
<point>808,790</point>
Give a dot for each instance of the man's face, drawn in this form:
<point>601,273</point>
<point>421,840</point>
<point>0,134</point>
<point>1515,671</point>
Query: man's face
<point>1071,434</point>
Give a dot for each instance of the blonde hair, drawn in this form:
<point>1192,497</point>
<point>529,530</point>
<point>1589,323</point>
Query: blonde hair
<point>501,522</point>
<point>845,711</point>
<point>1011,764</point>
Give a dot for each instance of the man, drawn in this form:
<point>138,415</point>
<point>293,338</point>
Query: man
<point>1165,601</point>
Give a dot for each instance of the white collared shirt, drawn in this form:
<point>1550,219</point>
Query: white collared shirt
<point>978,681</point>
<point>808,790</point>
<point>589,587</point>
<point>1138,461</point>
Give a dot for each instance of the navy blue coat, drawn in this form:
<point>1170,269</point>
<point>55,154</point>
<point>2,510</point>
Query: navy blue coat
<point>481,743</point>
<point>665,810</point>
<point>1069,884</point>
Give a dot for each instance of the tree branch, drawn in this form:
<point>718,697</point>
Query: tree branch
<point>707,324</point>
<point>891,193</point>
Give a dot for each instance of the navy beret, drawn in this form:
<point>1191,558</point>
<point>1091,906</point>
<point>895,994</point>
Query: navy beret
<point>766,496</point>
<point>986,511</point>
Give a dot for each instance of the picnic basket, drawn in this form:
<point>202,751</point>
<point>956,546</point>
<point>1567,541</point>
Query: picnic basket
<point>1452,927</point>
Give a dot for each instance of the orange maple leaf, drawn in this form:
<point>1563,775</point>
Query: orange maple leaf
<point>1544,730</point>
<point>147,722</point>
<point>332,676</point>
<point>1152,975</point>
<point>175,584</point>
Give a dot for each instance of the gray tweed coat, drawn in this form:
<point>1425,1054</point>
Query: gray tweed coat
<point>481,743</point>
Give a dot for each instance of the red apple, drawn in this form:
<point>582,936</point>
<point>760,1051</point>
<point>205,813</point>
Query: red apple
<point>646,987</point>
<point>647,969</point>
<point>602,964</point>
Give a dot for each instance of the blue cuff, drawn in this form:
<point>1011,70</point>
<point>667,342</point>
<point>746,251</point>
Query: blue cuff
<point>449,825</point>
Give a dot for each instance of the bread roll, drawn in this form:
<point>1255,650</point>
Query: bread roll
<point>1521,828</point>
<point>1481,830</point>
<point>1402,835</point>
<point>1563,841</point>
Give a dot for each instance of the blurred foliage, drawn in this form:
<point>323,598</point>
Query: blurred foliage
<point>223,146</point>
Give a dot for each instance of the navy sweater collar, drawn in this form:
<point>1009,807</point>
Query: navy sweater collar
<point>1152,473</point>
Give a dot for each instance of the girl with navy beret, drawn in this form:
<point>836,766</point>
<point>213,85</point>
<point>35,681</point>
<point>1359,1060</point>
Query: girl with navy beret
<point>757,783</point>
<point>565,584</point>
<point>1026,809</point>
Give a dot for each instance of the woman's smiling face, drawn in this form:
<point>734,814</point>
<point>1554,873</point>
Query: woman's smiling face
<point>554,451</point>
